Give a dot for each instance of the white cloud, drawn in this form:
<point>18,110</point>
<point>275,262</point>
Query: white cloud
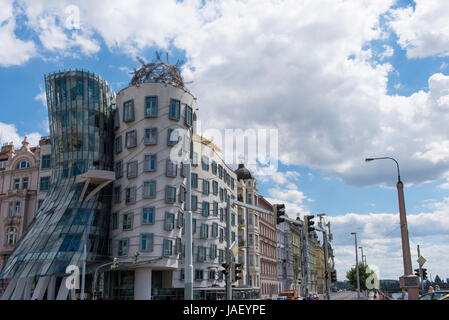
<point>387,53</point>
<point>41,97</point>
<point>379,235</point>
<point>424,31</point>
<point>14,51</point>
<point>9,133</point>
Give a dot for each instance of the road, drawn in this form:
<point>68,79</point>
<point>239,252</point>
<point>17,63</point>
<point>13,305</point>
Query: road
<point>345,295</point>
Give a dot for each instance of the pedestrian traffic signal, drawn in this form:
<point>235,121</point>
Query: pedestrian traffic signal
<point>237,271</point>
<point>226,268</point>
<point>424,274</point>
<point>326,274</point>
<point>334,275</point>
<point>310,223</point>
<point>279,209</point>
<point>417,272</point>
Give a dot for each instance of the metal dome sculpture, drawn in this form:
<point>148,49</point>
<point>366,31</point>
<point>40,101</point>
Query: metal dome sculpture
<point>158,71</point>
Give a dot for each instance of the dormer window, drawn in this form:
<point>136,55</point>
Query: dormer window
<point>23,165</point>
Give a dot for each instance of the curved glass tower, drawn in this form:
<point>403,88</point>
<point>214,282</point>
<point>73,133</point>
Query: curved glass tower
<point>76,208</point>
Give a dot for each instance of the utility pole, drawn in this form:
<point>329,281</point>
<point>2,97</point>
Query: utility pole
<point>188,265</point>
<point>357,265</point>
<point>306,256</point>
<point>228,249</point>
<point>326,256</point>
<point>420,271</point>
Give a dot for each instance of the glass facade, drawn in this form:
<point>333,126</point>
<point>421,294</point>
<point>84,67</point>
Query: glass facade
<point>81,109</point>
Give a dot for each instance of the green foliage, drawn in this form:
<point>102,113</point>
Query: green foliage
<point>364,273</point>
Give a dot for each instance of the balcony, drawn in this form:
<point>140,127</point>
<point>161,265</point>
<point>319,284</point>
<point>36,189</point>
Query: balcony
<point>12,220</point>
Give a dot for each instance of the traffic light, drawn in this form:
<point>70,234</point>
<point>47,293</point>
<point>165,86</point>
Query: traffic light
<point>334,275</point>
<point>280,211</point>
<point>237,271</point>
<point>326,274</point>
<point>310,223</point>
<point>424,274</point>
<point>114,263</point>
<point>299,281</point>
<point>417,272</point>
<point>226,269</point>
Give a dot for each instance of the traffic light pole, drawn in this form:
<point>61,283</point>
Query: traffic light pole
<point>326,262</point>
<point>228,251</point>
<point>420,271</point>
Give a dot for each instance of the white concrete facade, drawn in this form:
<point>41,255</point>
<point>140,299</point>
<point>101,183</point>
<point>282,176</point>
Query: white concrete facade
<point>151,223</point>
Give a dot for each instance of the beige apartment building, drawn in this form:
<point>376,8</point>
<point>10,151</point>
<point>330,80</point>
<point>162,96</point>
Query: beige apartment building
<point>19,182</point>
<point>269,285</point>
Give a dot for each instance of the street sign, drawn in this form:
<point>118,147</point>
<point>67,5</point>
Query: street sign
<point>421,260</point>
<point>234,249</point>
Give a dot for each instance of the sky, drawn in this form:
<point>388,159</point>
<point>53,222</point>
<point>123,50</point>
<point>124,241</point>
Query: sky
<point>341,80</point>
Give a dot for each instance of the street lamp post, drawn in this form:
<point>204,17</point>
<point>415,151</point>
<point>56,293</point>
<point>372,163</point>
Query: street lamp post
<point>357,265</point>
<point>409,281</point>
<point>326,256</point>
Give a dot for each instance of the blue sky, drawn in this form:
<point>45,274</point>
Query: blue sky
<point>345,82</point>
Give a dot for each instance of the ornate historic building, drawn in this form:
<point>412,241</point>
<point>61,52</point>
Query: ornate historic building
<point>19,173</point>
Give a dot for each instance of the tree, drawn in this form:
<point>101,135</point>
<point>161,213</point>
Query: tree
<point>438,280</point>
<point>364,273</point>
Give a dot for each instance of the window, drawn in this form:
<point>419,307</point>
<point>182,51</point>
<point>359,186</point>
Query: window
<point>172,137</point>
<point>16,184</point>
<point>220,255</point>
<point>131,139</point>
<point>214,229</point>
<point>23,165</point>
<point>205,163</point>
<point>233,219</point>
<point>188,115</point>
<point>213,253</point>
<point>201,253</point>
<point>194,203</point>
<point>118,169</point>
<point>150,136</point>
<point>116,119</point>
<point>215,208</point>
<point>221,215</point>
<point>175,109</point>
<point>170,194</point>
<point>11,235</point>
<point>117,194</point>
<point>169,221</point>
<point>221,194</point>
<point>122,247</point>
<point>232,183</point>
<point>195,159</point>
<point>204,231</point>
<point>215,187</point>
<point>193,226</point>
<point>206,187</point>
<point>127,221</point>
<point>194,180</point>
<point>39,203</point>
<point>114,221</point>
<point>150,162</point>
<point>149,189</point>
<point>182,194</point>
<point>171,169</point>
<point>128,111</point>
<point>205,208</point>
<point>168,248</point>
<point>146,242</point>
<point>221,235</point>
<point>45,164</point>
<point>130,195</point>
<point>220,171</point>
<point>148,215</point>
<point>25,183</point>
<point>150,107</point>
<point>214,167</point>
<point>17,208</point>
<point>178,246</point>
<point>44,184</point>
<point>199,274</point>
<point>180,220</point>
<point>2,164</point>
<point>118,144</point>
<point>131,169</point>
